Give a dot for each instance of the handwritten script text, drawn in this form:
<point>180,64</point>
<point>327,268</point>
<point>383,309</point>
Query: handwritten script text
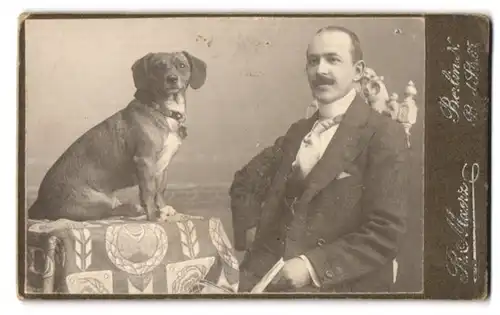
<point>462,222</point>
<point>463,76</point>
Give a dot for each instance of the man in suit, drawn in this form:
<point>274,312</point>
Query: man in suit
<point>328,196</point>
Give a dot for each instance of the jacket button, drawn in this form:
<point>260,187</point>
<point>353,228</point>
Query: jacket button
<point>329,274</point>
<point>321,242</point>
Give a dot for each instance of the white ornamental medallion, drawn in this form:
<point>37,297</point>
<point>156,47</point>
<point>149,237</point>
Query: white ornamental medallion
<point>94,282</point>
<point>222,243</point>
<point>83,248</point>
<point>189,239</point>
<point>136,248</point>
<point>184,277</point>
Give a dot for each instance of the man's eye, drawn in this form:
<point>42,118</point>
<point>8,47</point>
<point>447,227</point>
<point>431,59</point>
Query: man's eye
<point>333,60</point>
<point>313,61</point>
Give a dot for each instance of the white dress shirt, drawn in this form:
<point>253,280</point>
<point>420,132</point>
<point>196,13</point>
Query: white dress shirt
<point>326,111</point>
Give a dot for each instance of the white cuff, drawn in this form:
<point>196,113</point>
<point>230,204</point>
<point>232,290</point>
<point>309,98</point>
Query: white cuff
<point>311,270</point>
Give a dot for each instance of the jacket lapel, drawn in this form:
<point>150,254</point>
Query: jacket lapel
<point>290,147</point>
<point>349,140</point>
<point>294,139</point>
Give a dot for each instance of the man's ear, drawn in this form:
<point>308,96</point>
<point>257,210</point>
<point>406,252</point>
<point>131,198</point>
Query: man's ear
<point>198,71</point>
<point>140,71</point>
<point>359,67</point>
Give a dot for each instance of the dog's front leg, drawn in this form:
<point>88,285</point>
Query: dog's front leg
<point>146,174</point>
<point>161,198</point>
<point>161,189</point>
<point>169,150</point>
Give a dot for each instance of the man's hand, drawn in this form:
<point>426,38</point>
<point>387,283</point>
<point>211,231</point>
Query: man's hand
<point>250,236</point>
<point>295,273</point>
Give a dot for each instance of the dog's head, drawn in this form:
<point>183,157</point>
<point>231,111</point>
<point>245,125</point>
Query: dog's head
<point>161,74</point>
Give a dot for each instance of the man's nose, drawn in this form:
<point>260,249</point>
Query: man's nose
<point>322,67</point>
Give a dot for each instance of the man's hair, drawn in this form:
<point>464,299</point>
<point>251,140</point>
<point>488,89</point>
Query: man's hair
<point>356,51</point>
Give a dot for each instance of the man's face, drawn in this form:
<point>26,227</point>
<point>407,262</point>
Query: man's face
<point>330,68</point>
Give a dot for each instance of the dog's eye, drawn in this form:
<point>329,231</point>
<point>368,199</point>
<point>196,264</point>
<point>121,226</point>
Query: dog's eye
<point>182,65</point>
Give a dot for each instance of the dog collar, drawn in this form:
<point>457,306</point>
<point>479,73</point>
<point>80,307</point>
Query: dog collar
<point>178,116</point>
<point>175,115</point>
<point>170,113</point>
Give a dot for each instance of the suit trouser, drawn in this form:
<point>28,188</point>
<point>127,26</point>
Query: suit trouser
<point>249,279</point>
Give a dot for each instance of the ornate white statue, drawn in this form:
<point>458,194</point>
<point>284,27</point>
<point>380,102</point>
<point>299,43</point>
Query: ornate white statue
<point>372,88</point>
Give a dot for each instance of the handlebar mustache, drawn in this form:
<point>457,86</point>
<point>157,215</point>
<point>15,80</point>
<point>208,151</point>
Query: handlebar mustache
<point>323,81</point>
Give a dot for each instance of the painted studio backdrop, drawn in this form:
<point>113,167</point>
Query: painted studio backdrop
<point>79,73</point>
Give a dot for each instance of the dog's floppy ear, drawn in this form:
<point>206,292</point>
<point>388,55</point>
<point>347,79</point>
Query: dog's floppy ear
<point>140,71</point>
<point>198,71</point>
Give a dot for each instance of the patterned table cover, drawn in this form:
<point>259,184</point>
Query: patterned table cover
<point>130,257</point>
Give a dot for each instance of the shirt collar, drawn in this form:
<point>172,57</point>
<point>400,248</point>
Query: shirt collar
<point>337,107</point>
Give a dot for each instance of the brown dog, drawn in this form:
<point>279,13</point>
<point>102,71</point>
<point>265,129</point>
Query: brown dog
<point>132,147</point>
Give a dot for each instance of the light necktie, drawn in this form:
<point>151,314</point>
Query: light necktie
<point>309,152</point>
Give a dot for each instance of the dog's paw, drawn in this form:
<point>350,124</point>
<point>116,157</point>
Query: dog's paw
<point>169,214</point>
<point>168,211</point>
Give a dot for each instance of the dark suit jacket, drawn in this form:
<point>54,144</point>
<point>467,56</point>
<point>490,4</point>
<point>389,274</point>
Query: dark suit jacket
<point>349,228</point>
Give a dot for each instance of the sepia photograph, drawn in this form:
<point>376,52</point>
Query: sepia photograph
<point>235,155</point>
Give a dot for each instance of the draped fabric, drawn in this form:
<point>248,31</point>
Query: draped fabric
<point>130,257</point>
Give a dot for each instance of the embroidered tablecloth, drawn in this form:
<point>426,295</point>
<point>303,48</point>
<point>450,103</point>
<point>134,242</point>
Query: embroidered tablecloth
<point>130,257</point>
